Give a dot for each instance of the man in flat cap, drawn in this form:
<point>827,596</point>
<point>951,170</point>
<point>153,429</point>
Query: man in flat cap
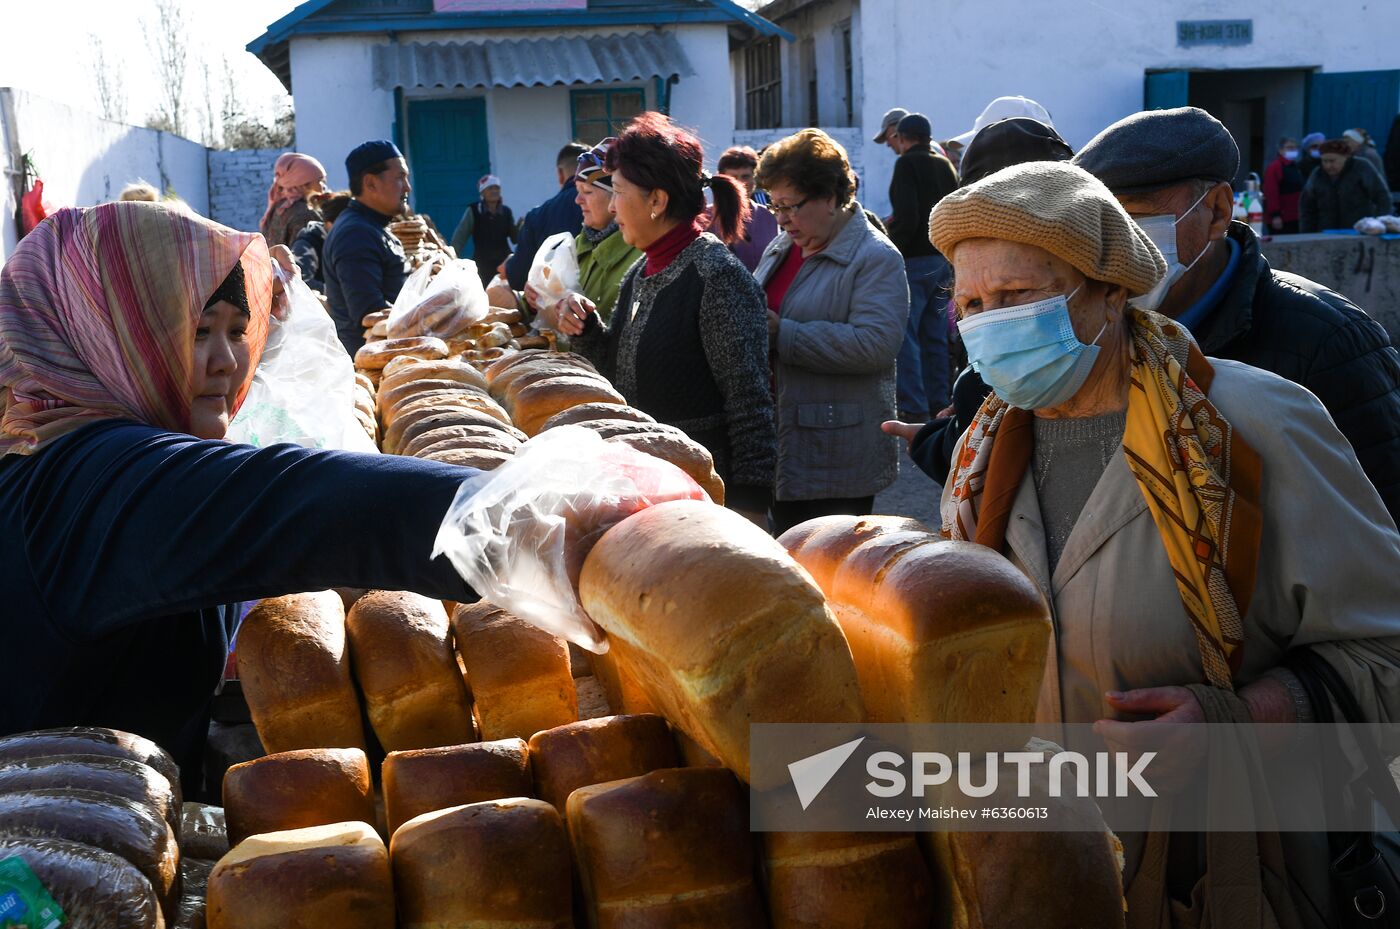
<point>1171,170</point>
<point>365,265</point>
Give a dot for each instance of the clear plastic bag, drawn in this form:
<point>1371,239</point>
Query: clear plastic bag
<point>303,390</point>
<point>554,272</point>
<point>519,534</point>
<point>443,306</point>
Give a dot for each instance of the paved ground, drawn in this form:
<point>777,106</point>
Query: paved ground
<point>914,494</point>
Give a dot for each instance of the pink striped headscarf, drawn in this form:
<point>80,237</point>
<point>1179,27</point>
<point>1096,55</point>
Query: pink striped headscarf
<point>98,311</point>
<point>291,171</point>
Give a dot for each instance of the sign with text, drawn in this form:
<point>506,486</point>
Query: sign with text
<point>1214,32</point>
<point>507,6</point>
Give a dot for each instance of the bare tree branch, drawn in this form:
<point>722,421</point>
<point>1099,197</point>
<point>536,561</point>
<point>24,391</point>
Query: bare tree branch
<point>169,45</point>
<point>106,82</point>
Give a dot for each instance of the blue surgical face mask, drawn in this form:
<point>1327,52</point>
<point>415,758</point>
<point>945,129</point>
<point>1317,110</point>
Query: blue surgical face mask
<point>1029,354</point>
<point>1162,231</point>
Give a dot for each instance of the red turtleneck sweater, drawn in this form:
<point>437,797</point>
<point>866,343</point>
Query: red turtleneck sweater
<point>665,249</point>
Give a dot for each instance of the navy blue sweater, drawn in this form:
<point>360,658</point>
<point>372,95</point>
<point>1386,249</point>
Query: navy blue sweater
<point>364,268</point>
<point>125,547</point>
<point>557,214</point>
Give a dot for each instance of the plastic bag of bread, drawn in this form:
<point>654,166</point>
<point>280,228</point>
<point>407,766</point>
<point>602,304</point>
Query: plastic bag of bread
<point>452,301</point>
<point>519,534</point>
<point>554,272</point>
<point>303,390</point>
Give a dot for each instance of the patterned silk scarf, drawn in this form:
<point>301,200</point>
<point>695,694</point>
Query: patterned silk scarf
<point>98,311</point>
<point>1201,482</point>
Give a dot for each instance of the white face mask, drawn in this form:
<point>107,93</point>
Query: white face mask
<point>1162,231</point>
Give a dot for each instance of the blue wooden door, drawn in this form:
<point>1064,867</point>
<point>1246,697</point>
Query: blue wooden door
<point>1338,102</point>
<point>1164,90</point>
<point>447,153</point>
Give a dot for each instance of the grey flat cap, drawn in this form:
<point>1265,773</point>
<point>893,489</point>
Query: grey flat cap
<point>1158,148</point>
<point>890,121</point>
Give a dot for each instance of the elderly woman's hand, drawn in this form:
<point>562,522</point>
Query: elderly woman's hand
<point>906,431</point>
<point>1180,748</point>
<point>570,314</point>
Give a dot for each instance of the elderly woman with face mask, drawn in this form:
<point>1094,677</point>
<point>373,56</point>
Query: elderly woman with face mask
<point>128,337</point>
<point>837,305</point>
<point>1191,522</point>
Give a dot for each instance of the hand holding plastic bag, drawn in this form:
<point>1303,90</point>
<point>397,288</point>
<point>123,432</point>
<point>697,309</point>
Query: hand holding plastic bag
<point>554,272</point>
<point>446,304</point>
<point>519,534</point>
<point>303,388</point>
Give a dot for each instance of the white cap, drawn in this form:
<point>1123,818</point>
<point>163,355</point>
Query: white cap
<point>1005,108</point>
<point>488,180</point>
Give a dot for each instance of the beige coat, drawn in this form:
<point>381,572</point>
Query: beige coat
<point>1329,576</point>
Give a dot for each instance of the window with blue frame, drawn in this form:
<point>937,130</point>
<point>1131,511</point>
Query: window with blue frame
<point>598,114</point>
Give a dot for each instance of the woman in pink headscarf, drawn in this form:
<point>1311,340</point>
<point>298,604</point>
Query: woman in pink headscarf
<point>128,337</point>
<point>295,177</point>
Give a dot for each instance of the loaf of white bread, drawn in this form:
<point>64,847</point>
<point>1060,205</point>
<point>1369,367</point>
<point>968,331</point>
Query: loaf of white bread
<point>1050,880</point>
<point>941,632</point>
<point>718,626</point>
<point>428,779</point>
<point>499,863</point>
<point>321,876</point>
<point>669,848</point>
<point>295,671</point>
<point>846,880</point>
<point>520,674</point>
<point>594,751</point>
<point>413,687</point>
<point>296,789</point>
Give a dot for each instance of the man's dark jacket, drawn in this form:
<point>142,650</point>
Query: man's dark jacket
<point>921,178</point>
<point>557,214</point>
<point>1297,329</point>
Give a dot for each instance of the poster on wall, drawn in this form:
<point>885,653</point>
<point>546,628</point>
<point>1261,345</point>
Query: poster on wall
<point>507,6</point>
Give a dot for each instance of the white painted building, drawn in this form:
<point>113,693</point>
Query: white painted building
<point>1265,69</point>
<point>469,87</point>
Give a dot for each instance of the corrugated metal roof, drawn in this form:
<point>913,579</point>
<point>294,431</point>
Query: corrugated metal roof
<point>531,62</point>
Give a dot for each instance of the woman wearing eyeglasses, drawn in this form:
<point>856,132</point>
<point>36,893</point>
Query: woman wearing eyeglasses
<point>837,306</point>
<point>687,341</point>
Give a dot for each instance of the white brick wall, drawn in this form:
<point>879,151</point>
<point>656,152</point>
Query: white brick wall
<point>238,182</point>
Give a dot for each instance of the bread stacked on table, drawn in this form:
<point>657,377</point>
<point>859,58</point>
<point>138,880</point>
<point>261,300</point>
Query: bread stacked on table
<point>97,816</point>
<point>501,806</point>
<point>441,410</point>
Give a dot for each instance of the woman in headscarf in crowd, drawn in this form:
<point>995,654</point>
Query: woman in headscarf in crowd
<point>837,306</point>
<point>128,337</point>
<point>1158,499</point>
<point>604,256</point>
<point>688,341</point>
<point>295,177</point>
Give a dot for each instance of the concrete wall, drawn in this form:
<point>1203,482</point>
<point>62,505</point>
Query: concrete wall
<point>85,160</point>
<point>238,182</point>
<point>339,107</point>
<point>850,139</point>
<point>1085,61</point>
<point>1363,268</point>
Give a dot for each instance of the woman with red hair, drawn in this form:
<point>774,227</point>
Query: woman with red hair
<point>688,340</point>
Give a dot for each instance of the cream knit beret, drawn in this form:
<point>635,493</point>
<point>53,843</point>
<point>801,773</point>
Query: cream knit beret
<point>1058,207</point>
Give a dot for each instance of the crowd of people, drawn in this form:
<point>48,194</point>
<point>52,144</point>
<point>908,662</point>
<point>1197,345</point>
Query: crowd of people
<point>1194,456</point>
<point>1323,183</point>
